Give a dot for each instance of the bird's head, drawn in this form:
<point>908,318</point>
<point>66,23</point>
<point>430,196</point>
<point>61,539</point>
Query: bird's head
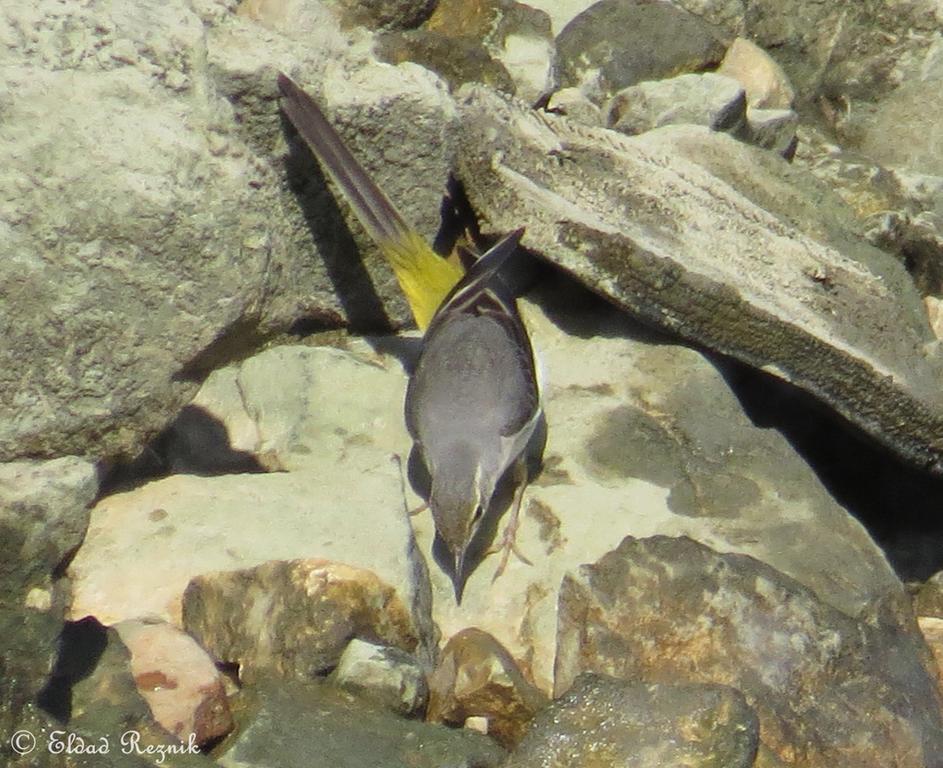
<point>459,499</point>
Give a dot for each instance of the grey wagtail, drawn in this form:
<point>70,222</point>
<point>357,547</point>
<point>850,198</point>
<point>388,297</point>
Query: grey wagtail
<point>472,403</point>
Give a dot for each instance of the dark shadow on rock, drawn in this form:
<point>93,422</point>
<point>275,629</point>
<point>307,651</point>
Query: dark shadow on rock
<point>196,443</point>
<point>580,312</point>
<point>352,283</point>
<point>81,645</point>
<point>900,505</point>
<point>405,349</point>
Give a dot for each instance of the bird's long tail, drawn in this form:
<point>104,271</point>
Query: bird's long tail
<point>424,276</point>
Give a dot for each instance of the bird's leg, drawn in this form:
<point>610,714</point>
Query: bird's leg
<point>411,512</point>
<point>508,542</point>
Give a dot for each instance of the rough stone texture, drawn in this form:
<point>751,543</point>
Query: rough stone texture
<point>614,724</point>
<point>44,511</point>
<point>905,129</point>
<point>383,14</point>
<point>618,43</point>
<point>645,437</point>
<point>765,83</point>
<point>43,516</point>
<point>293,618</point>
<point>385,675</point>
<point>476,677</point>
<point>773,129</point>
<point>844,49</point>
<point>829,690</point>
<point>515,34</point>
<point>714,101</point>
<point>457,60</point>
<point>899,211</point>
<point>929,600</point>
<point>177,679</point>
<point>573,103</point>
<point>648,223</point>
<point>149,239</point>
<point>93,689</point>
<point>321,726</point>
<point>149,231</point>
<point>932,629</point>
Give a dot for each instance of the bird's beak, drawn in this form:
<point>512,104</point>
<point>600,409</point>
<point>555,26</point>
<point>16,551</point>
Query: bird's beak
<point>458,576</point>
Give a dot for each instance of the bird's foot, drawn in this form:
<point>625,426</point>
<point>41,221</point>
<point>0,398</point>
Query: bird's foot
<point>508,542</point>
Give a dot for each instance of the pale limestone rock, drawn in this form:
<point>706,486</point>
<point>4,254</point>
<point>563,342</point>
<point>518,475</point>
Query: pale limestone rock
<point>765,82</point>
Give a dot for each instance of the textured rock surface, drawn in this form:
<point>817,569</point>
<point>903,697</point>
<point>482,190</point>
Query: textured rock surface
<point>163,238</point>
<point>829,690</point>
<point>293,618</point>
<point>43,516</point>
<point>383,674</point>
<point>177,679</point>
<point>711,100</point>
<point>617,43</point>
<point>505,44</point>
<point>144,546</point>
<point>765,83</point>
<point>101,718</point>
<point>646,437</point>
<point>476,677</point>
<point>609,723</point>
<point>318,721</point>
<point>829,314</point>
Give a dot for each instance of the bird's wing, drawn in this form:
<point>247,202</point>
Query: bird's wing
<point>482,296</point>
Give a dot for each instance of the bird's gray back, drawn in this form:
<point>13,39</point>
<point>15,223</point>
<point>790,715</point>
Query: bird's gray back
<point>474,375</point>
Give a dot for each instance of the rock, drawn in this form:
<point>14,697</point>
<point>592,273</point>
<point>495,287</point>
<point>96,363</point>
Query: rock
<point>829,689</point>
<point>842,50</point>
<point>765,83</point>
<point>515,34</point>
<point>102,718</point>
<point>385,675</point>
<point>44,511</point>
<point>382,14</point>
<point>178,680</point>
<point>896,210</point>
<point>192,247</point>
<point>477,678</point>
<point>614,44</point>
<point>645,436</point>
<point>144,546</point>
<point>114,319</point>
<point>764,290</point>
<point>773,129</point>
<point>713,101</point>
<point>457,60</point>
<point>904,129</point>
<point>347,733</point>
<point>293,618</point>
<point>929,599</point>
<point>43,516</point>
<point>573,103</point>
<point>609,723</point>
<point>502,43</point>
<point>932,629</point>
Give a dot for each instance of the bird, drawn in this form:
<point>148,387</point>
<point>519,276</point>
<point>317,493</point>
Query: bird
<point>473,401</point>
